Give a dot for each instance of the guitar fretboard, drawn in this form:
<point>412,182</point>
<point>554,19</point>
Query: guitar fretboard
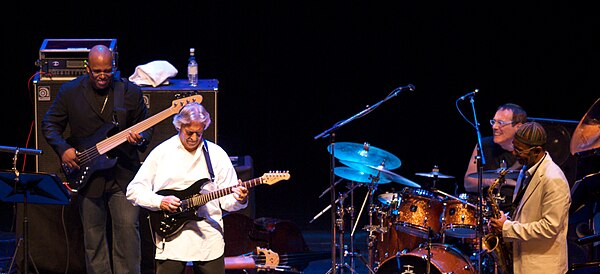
<point>202,199</point>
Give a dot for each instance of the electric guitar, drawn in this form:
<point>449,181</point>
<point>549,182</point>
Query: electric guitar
<point>90,148</point>
<point>166,224</point>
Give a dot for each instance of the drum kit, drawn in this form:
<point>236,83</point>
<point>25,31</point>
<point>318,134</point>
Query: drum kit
<point>416,230</point>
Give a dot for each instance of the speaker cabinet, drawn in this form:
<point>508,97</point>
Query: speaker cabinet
<point>160,98</point>
<point>45,93</point>
<point>157,99</point>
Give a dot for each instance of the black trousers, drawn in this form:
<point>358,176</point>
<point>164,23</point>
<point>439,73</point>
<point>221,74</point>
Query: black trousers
<point>216,266</point>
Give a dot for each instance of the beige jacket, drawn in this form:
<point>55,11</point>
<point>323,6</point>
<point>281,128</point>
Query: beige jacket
<point>538,229</point>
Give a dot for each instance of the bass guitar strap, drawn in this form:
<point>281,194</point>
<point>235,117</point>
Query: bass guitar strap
<point>120,104</point>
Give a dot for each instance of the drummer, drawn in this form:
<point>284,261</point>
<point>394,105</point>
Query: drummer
<point>496,149</point>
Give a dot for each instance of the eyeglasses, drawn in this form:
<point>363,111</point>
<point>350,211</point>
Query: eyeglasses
<point>98,72</point>
<point>500,122</point>
<point>519,151</point>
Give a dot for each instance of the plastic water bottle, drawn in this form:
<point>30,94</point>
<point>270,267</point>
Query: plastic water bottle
<point>192,69</point>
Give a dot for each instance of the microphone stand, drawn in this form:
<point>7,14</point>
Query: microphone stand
<point>331,133</point>
<point>480,163</point>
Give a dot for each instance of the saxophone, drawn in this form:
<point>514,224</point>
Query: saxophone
<point>493,243</point>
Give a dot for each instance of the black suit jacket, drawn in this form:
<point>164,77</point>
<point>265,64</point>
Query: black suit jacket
<point>76,107</point>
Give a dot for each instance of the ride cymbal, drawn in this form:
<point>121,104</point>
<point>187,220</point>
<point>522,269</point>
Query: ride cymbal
<point>587,133</point>
<point>364,154</point>
<point>382,173</point>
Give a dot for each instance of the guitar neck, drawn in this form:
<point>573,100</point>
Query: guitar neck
<point>109,143</point>
<point>202,199</point>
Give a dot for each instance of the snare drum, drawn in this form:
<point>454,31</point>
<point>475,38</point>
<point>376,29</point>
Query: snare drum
<point>419,210</point>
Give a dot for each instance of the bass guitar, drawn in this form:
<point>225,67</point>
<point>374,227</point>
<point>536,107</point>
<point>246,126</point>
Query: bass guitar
<point>166,224</point>
<point>268,260</point>
<point>89,149</point>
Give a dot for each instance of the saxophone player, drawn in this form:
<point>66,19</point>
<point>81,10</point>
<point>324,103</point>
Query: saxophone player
<point>539,222</point>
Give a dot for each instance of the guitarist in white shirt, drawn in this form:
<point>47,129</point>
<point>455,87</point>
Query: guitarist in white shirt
<point>178,164</point>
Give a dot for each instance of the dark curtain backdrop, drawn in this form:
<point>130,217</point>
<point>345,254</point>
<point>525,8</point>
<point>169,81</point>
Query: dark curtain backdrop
<point>289,70</point>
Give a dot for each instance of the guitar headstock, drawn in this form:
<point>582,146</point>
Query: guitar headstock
<point>274,177</point>
<point>178,104</point>
<point>271,258</point>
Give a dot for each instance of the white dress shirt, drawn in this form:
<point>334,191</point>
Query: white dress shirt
<point>170,166</point>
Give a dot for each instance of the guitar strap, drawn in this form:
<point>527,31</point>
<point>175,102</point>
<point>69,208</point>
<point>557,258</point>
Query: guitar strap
<point>208,163</point>
<point>120,104</point>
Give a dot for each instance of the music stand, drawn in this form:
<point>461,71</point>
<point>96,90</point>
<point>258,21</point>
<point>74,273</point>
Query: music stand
<point>36,188</point>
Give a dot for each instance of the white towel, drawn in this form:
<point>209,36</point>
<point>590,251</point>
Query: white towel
<point>154,73</point>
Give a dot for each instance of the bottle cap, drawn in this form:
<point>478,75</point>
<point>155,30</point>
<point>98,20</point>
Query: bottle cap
<point>192,50</point>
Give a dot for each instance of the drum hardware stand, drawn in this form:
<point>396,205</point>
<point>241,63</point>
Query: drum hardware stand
<point>370,227</point>
<point>435,177</point>
<point>429,237</point>
<point>331,134</point>
<point>353,253</point>
<point>341,210</point>
<point>340,224</point>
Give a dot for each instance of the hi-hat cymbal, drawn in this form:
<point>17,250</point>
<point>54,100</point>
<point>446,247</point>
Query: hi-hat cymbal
<point>495,173</point>
<point>382,173</point>
<point>587,134</point>
<point>364,154</point>
<point>356,175</point>
<point>434,174</point>
<point>388,198</point>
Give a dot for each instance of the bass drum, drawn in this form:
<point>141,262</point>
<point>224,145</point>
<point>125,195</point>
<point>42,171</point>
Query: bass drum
<point>444,259</point>
<point>387,240</point>
<point>392,243</point>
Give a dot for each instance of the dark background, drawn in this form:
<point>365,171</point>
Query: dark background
<point>289,70</point>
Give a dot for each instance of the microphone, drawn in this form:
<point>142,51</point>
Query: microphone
<point>470,94</point>
<point>410,87</point>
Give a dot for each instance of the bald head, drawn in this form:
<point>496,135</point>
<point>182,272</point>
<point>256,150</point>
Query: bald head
<point>100,67</point>
<point>100,54</point>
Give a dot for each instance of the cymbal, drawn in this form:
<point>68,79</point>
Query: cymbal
<point>388,198</point>
<point>495,173</point>
<point>587,133</point>
<point>356,175</point>
<point>382,172</point>
<point>434,174</point>
<point>364,154</point>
